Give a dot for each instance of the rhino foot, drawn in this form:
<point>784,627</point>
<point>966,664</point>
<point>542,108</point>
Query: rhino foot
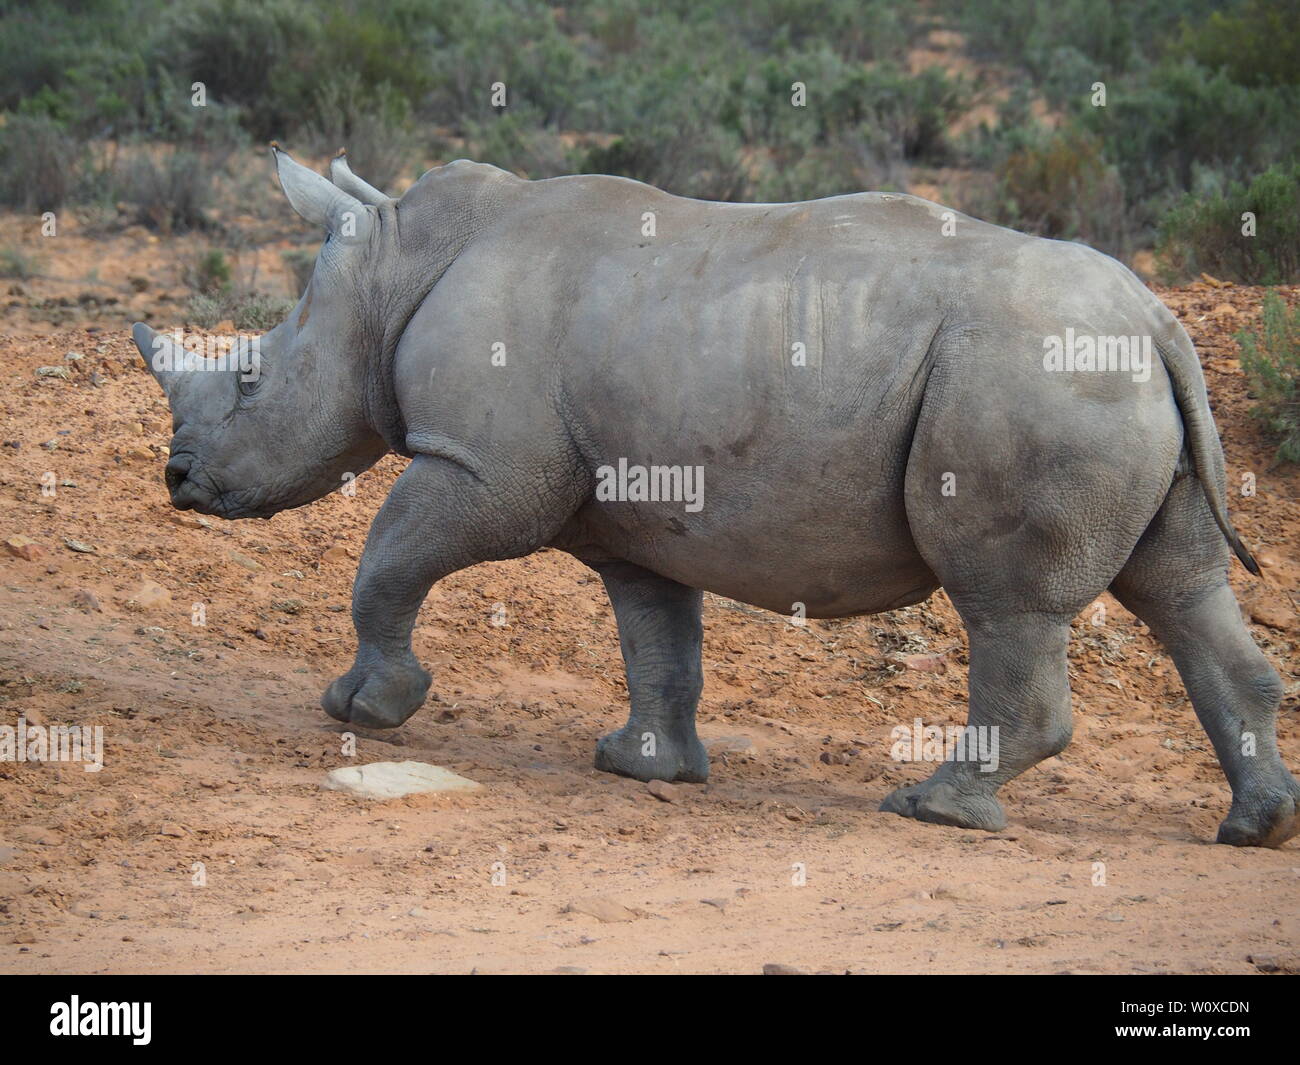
<point>941,802</point>
<point>1267,821</point>
<point>642,753</point>
<point>377,693</point>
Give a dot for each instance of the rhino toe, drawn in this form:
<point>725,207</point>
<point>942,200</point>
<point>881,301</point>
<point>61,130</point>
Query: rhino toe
<point>382,697</point>
<point>940,802</point>
<point>1267,823</point>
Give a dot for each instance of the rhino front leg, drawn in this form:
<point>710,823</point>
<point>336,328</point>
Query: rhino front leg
<point>660,632</point>
<point>438,518</point>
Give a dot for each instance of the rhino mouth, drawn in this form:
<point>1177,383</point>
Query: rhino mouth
<point>192,489</point>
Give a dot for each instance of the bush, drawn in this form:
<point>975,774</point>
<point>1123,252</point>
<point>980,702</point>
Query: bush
<point>1204,233</point>
<point>253,53</point>
<point>1063,188</point>
<point>252,311</point>
<point>1186,119</point>
<point>18,263</point>
<point>38,161</point>
<point>515,141</point>
<point>170,189</point>
<point>210,272</point>
<point>1271,362</point>
<point>374,125</point>
<point>1256,44</point>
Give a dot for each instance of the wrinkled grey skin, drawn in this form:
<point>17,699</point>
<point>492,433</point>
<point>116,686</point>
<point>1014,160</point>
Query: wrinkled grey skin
<point>824,483</point>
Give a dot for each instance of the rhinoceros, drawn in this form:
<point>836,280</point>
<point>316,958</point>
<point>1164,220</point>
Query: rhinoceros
<point>824,409</point>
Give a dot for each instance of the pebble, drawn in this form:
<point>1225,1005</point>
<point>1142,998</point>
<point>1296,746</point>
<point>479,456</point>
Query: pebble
<point>664,792</point>
<point>24,547</point>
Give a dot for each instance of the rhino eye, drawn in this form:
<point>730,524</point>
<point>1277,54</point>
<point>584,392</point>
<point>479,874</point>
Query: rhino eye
<point>247,388</point>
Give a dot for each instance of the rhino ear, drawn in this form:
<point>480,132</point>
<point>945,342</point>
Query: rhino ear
<point>342,176</point>
<point>317,200</point>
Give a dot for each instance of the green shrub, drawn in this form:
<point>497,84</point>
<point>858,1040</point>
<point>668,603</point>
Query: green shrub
<point>1204,233</point>
<point>170,190</point>
<point>257,54</point>
<point>1183,120</point>
<point>374,125</point>
<point>210,272</point>
<point>1270,359</point>
<point>38,162</point>
<point>18,263</point>
<point>1257,43</point>
<point>517,142</point>
<point>251,311</point>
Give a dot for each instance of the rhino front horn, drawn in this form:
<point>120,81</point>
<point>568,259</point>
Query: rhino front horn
<point>163,357</point>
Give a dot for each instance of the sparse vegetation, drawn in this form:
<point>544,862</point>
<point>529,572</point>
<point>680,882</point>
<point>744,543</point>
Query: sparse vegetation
<point>1270,358</point>
<point>247,310</point>
<point>16,262</point>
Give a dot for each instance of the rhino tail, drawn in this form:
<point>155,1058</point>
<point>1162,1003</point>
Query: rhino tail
<point>1184,369</point>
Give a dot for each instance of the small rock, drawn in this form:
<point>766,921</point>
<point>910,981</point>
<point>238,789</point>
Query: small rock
<point>1272,614</point>
<point>335,553</point>
<point>925,663</point>
<point>151,594</point>
<point>53,371</point>
<point>172,829</point>
<point>663,791</point>
<point>25,548</point>
<point>86,600</point>
<point>772,968</point>
<point>728,744</point>
<point>37,834</point>
<point>245,561</point>
<point>392,780</point>
<point>80,546</point>
<point>603,908</point>
<point>1275,963</point>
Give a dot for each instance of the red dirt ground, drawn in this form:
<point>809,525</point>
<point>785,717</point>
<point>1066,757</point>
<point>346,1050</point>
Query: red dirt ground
<point>215,746</point>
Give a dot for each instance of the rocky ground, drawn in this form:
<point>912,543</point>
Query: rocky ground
<point>206,841</point>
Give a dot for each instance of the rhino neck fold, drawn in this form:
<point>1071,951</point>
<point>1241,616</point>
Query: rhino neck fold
<point>456,213</point>
<point>382,411</point>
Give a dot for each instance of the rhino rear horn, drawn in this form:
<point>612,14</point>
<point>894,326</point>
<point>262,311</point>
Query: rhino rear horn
<point>318,200</point>
<point>342,176</point>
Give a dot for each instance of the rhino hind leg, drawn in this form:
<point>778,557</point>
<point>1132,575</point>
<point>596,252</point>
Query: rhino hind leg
<point>660,633</point>
<point>1019,715</point>
<point>1176,581</point>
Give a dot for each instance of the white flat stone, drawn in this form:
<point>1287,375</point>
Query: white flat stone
<point>392,780</point>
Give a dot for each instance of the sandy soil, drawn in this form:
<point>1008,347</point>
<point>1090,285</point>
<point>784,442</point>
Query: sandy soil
<point>215,746</point>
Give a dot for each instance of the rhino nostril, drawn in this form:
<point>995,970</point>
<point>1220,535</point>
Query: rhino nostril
<point>177,469</point>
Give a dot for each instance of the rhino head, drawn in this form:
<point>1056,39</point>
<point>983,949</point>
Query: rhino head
<point>319,407</point>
